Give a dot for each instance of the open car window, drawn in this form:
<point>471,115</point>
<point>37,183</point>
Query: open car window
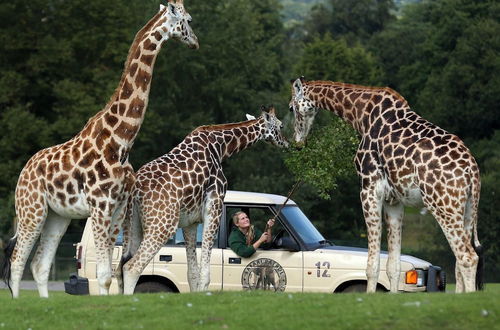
<point>258,217</point>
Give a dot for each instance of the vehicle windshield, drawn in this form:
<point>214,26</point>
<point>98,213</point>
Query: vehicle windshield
<point>304,228</point>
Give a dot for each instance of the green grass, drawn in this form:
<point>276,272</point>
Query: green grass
<point>253,310</point>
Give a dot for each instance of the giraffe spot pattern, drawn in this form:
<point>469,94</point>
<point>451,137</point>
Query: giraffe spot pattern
<point>412,154</point>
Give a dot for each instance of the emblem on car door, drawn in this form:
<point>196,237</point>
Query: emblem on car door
<point>264,274</point>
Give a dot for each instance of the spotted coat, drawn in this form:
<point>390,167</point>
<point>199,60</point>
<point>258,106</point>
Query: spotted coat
<point>90,175</point>
<point>402,159</point>
<point>184,188</point>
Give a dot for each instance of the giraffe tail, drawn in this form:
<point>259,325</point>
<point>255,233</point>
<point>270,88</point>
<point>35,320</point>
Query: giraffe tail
<point>480,264</point>
<point>5,269</point>
<point>132,230</point>
<point>480,268</point>
<point>475,192</point>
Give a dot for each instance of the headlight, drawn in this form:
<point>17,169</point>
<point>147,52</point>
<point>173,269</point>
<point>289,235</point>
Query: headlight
<point>415,277</point>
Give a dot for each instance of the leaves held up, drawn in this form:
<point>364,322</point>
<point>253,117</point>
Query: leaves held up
<point>327,157</point>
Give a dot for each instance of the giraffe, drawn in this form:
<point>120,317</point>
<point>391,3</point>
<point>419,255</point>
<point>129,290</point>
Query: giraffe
<point>184,188</point>
<point>402,159</point>
<point>90,176</point>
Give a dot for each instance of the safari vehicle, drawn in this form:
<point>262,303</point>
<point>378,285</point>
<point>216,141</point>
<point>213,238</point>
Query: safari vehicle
<point>300,258</point>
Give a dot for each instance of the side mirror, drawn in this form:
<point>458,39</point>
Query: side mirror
<point>288,243</point>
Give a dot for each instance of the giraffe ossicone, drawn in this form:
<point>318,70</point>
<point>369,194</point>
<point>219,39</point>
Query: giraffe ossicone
<point>402,160</point>
<point>89,176</point>
<point>184,188</point>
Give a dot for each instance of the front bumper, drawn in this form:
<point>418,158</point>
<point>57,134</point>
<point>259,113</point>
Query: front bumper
<point>435,279</point>
<point>76,285</point>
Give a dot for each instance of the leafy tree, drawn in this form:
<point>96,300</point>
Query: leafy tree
<point>237,69</point>
<point>487,153</point>
<point>355,20</point>
<point>443,56</point>
<point>61,62</point>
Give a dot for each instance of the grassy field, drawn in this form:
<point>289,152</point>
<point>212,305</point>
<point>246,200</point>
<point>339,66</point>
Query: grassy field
<point>251,310</point>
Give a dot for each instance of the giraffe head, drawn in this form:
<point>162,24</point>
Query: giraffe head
<point>273,127</point>
<point>176,25</point>
<point>304,111</point>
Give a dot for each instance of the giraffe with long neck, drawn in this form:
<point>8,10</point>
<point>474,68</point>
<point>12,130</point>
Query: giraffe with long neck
<point>184,188</point>
<point>402,159</point>
<point>90,176</point>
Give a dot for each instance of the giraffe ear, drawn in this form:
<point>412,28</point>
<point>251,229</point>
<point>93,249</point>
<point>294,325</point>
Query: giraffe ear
<point>297,87</point>
<point>172,9</point>
<point>162,7</point>
<point>250,117</point>
<point>266,116</point>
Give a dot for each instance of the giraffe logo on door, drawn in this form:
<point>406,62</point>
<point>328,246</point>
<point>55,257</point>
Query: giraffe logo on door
<point>264,274</point>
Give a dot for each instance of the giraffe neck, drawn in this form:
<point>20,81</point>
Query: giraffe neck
<point>228,139</point>
<point>123,115</point>
<point>353,103</point>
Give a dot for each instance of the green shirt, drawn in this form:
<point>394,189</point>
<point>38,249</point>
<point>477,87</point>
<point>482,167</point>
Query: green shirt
<point>238,242</point>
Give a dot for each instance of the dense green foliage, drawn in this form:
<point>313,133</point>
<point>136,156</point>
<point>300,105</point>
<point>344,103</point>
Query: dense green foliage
<point>62,60</point>
<point>243,310</point>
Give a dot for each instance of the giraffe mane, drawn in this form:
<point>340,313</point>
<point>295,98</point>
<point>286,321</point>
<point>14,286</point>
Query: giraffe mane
<point>221,127</point>
<point>358,87</point>
<point>133,48</point>
<point>138,37</point>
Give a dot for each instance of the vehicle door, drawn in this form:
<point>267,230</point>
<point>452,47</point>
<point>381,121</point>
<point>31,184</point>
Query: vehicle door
<point>171,262</point>
<point>267,269</point>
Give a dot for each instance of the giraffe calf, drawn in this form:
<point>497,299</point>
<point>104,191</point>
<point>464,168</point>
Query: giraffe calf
<point>184,188</point>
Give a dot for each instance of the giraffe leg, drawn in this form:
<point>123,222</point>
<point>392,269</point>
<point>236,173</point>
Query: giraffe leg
<point>132,237</point>
<point>466,264</point>
<point>372,207</point>
<point>52,232</point>
<point>193,273</point>
<point>117,223</point>
<point>459,280</point>
<point>394,218</point>
<point>211,217</point>
<point>459,239</point>
<point>152,243</point>
<point>155,235</point>
<point>103,255</point>
<point>29,228</point>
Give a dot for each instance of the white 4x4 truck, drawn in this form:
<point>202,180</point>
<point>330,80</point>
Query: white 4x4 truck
<point>300,258</point>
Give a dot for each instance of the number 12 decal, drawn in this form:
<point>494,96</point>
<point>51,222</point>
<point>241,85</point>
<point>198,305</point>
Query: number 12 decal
<point>325,271</point>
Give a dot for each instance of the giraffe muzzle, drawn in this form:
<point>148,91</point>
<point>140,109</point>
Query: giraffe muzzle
<point>299,145</point>
<point>192,42</point>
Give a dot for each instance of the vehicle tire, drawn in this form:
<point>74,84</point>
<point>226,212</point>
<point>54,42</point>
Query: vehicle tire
<point>359,288</point>
<point>442,281</point>
<point>151,287</point>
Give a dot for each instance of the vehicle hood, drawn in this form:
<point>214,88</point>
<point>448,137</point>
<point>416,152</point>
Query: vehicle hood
<point>362,252</point>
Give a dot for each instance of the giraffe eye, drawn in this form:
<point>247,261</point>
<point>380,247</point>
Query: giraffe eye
<point>291,108</point>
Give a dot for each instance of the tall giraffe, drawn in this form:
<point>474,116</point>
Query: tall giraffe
<point>184,188</point>
<point>402,159</point>
<point>89,175</point>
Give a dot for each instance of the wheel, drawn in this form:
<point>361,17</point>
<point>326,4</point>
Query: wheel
<point>151,287</point>
<point>359,287</point>
<point>442,281</point>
